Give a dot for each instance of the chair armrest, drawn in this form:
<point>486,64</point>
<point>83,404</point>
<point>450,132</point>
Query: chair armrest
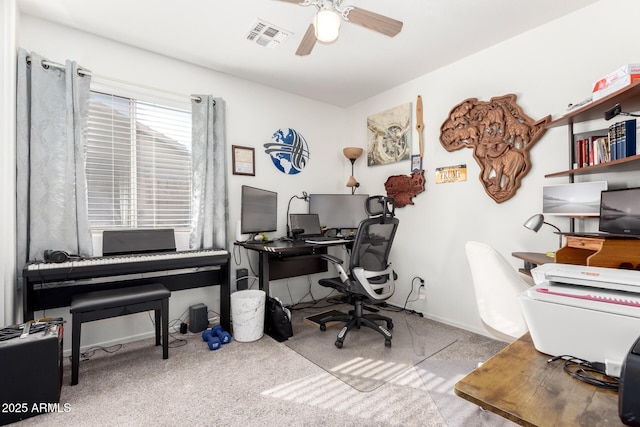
<point>331,258</point>
<point>337,263</point>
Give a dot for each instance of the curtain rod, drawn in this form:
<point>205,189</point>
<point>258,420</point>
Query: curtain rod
<point>47,64</point>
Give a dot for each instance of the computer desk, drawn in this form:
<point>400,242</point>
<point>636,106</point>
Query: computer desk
<point>283,259</point>
<point>519,384</point>
<point>532,260</point>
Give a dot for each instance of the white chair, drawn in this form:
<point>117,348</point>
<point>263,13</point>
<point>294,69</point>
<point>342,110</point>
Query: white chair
<point>497,286</point>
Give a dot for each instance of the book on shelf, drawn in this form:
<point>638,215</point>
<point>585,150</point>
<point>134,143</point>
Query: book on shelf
<point>602,149</point>
<point>622,137</point>
<point>620,141</point>
<point>591,150</point>
<point>628,137</point>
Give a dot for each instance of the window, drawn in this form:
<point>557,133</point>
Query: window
<point>138,164</point>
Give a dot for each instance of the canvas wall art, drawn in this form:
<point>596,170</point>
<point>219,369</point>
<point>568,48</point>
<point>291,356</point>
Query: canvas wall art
<point>389,136</point>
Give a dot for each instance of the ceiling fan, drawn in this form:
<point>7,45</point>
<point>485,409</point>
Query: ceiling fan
<point>326,23</point>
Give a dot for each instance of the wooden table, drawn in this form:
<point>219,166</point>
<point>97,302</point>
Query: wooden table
<point>519,384</point>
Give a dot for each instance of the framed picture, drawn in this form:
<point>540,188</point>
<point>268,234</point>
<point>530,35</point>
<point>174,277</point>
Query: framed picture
<point>244,160</point>
<point>389,136</point>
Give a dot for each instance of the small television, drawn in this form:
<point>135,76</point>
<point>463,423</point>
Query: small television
<point>259,210</point>
<point>620,211</point>
<point>576,199</point>
<point>339,211</point>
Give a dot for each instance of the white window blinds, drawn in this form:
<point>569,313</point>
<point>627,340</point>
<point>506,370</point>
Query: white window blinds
<point>138,164</point>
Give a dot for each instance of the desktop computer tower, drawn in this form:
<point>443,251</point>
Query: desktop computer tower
<point>31,375</point>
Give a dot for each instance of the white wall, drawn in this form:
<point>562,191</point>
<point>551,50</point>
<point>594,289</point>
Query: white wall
<point>547,68</point>
<point>254,112</point>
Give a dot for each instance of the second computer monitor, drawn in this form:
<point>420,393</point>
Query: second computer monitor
<point>339,210</point>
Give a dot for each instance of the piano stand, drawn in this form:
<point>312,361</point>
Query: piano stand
<point>99,305</point>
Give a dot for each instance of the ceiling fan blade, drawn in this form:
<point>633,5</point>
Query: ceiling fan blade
<point>308,42</point>
<point>374,21</point>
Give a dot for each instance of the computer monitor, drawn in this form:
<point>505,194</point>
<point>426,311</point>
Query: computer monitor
<point>339,210</point>
<point>620,211</point>
<point>575,199</point>
<point>259,210</point>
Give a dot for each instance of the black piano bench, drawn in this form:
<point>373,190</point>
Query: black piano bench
<point>99,305</point>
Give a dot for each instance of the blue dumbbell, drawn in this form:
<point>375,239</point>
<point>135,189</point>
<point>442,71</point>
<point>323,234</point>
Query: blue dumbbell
<point>211,339</point>
<point>213,343</point>
<point>224,336</point>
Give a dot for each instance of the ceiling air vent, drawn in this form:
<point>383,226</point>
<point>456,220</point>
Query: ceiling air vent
<point>267,35</point>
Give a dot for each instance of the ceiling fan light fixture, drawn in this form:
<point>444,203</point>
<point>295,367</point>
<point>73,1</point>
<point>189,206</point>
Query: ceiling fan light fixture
<point>327,25</point>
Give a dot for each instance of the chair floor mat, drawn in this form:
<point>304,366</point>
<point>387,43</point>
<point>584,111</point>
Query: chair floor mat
<point>440,378</point>
<point>364,362</point>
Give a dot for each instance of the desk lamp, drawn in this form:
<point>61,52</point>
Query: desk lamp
<point>304,197</point>
<point>535,222</point>
<point>352,153</point>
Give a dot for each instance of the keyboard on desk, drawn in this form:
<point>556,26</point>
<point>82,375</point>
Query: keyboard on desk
<point>326,239</point>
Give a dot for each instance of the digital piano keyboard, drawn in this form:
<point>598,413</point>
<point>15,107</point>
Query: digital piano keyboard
<point>52,285</point>
<point>128,264</point>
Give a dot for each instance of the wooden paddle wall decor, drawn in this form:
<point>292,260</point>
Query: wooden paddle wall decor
<point>500,134</point>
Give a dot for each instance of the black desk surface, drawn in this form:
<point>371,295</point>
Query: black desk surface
<point>284,246</point>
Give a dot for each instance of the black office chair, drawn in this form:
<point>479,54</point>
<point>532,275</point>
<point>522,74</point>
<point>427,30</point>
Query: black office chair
<point>370,279</point>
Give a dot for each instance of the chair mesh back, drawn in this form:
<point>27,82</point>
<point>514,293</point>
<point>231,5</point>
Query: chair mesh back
<point>372,243</point>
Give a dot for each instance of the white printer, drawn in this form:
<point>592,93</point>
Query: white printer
<point>591,313</point>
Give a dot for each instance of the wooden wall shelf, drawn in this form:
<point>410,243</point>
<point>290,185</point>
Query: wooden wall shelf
<point>628,97</point>
<point>600,168</point>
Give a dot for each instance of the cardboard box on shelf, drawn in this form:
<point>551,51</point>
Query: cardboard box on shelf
<point>616,80</point>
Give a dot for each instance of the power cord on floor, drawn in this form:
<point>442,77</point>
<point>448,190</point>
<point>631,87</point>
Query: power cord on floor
<point>413,282</point>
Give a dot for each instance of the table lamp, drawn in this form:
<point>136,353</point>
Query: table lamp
<point>535,223</point>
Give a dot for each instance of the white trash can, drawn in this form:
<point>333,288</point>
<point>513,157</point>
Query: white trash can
<point>247,314</point>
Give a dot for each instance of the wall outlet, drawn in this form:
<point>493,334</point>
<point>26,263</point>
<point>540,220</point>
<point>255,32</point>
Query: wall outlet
<point>422,293</point>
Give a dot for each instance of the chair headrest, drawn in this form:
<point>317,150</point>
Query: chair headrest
<point>380,206</point>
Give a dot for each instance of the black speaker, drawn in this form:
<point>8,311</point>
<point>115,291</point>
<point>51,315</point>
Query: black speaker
<point>629,391</point>
<point>31,375</point>
<point>198,320</point>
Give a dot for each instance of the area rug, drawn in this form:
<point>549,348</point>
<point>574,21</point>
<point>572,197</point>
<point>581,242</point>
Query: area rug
<point>364,362</point>
<point>440,377</point>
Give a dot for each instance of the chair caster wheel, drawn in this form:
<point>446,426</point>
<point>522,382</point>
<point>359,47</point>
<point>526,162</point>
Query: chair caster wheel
<point>323,327</point>
<point>339,344</point>
<point>389,325</point>
<point>387,343</point>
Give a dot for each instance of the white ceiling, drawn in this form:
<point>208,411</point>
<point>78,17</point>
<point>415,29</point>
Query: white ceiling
<point>360,64</point>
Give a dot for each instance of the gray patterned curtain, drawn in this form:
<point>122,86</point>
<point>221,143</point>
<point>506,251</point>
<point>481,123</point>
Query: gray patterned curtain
<point>210,199</point>
<point>51,115</point>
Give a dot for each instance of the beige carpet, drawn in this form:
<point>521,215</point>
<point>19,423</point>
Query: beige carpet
<point>364,362</point>
<point>263,383</point>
